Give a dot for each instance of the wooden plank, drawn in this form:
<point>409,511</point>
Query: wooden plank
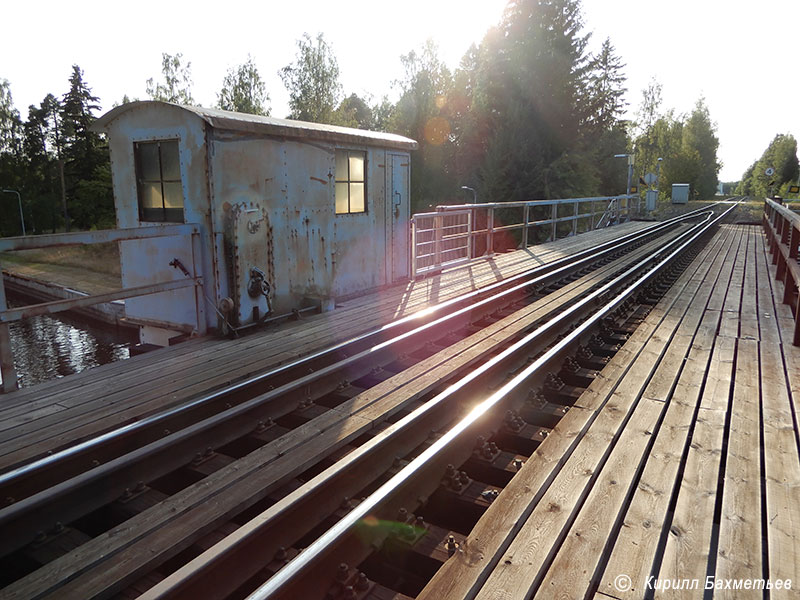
<point>739,552</point>
<point>601,517</point>
<point>687,547</point>
<point>748,325</point>
<point>731,305</point>
<point>544,481</point>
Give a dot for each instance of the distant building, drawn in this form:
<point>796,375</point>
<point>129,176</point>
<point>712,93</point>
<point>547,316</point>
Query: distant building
<point>316,211</point>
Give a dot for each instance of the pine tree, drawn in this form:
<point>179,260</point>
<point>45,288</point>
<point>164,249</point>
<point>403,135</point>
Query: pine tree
<point>528,88</point>
<point>87,176</point>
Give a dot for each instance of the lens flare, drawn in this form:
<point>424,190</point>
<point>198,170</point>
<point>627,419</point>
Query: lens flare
<point>436,131</point>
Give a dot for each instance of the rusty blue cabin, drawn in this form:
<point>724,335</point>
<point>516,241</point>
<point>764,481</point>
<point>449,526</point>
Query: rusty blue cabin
<point>318,212</point>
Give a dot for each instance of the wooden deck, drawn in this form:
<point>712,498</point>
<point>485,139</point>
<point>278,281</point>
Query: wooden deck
<point>55,414</point>
<point>678,464</point>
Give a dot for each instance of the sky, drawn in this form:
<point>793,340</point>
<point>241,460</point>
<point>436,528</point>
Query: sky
<point>742,57</point>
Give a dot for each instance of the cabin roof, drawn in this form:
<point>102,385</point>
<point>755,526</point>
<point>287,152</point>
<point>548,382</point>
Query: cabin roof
<point>270,126</point>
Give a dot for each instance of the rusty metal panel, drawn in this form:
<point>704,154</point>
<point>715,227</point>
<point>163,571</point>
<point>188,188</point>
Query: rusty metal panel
<point>251,265</point>
<point>308,217</point>
<point>147,261</point>
<point>360,238</point>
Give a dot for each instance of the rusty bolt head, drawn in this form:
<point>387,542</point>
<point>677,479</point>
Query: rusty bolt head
<point>451,545</point>
<point>343,572</point>
<point>39,537</point>
<point>350,593</point>
<point>280,554</point>
<point>402,514</point>
<point>362,583</point>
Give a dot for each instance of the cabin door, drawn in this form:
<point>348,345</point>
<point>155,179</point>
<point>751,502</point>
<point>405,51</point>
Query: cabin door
<point>398,206</point>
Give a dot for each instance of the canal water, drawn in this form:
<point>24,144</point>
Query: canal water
<point>47,347</point>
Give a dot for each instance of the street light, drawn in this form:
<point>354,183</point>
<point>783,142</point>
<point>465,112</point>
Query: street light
<point>21,217</point>
<point>474,193</point>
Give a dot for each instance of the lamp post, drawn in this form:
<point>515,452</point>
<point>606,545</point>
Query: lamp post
<point>474,193</point>
<point>658,172</point>
<point>19,199</point>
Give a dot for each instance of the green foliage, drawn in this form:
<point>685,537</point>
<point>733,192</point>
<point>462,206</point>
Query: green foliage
<point>604,88</point>
<point>687,144</point>
<point>10,123</point>
<point>243,90</point>
<point>312,81</point>
<point>423,113</point>
<point>177,86</point>
<point>354,112</point>
<point>781,156</point>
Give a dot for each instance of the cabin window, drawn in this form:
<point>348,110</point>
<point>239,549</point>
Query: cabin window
<point>351,182</point>
<point>158,181</point>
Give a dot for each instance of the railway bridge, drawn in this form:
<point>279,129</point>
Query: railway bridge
<point>609,415</point>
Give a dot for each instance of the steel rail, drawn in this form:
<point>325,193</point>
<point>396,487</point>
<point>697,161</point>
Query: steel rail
<point>76,495</point>
<point>551,271</point>
<point>292,506</point>
<point>204,426</point>
<point>300,564</point>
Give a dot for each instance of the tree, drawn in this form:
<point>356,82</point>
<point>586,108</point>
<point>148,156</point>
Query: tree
<point>529,81</point>
<point>87,170</point>
<point>603,103</point>
<point>243,90</point>
<point>10,122</point>
<point>423,113</point>
<point>645,129</point>
<point>41,185</point>
<point>781,157</point>
<point>700,140</point>
<point>11,160</point>
<point>178,81</point>
<point>604,132</point>
<point>354,111</point>
<point>312,81</point>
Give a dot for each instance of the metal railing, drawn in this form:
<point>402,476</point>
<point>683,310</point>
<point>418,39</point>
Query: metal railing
<point>783,231</point>
<point>457,233</point>
<point>7,369</point>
